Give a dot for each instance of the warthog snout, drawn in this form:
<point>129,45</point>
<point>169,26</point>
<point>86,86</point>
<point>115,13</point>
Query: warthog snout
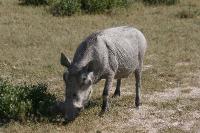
<point>71,112</point>
<point>66,109</point>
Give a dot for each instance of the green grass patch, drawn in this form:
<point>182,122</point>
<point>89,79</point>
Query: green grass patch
<point>22,102</point>
<point>96,6</point>
<point>65,7</point>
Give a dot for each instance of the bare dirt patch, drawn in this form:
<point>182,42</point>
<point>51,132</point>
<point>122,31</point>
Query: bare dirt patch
<point>172,110</point>
<point>166,111</point>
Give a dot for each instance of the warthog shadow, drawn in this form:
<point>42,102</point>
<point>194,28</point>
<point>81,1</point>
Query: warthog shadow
<point>58,110</point>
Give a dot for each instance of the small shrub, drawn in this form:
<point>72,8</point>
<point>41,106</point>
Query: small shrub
<point>65,7</point>
<point>21,102</point>
<point>13,101</point>
<point>34,2</point>
<point>93,5</point>
<point>159,2</point>
<point>69,7</point>
<point>98,6</point>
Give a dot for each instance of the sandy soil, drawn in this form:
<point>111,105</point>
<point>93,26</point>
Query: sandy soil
<point>173,110</point>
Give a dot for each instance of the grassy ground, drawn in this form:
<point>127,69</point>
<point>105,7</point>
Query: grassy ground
<point>31,41</point>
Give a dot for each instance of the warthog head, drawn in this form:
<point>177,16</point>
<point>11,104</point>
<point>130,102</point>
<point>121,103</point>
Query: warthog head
<point>78,89</point>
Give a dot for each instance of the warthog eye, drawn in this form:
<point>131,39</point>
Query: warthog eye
<point>74,95</point>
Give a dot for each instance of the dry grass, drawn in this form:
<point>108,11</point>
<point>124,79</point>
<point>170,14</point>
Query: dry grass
<point>32,40</point>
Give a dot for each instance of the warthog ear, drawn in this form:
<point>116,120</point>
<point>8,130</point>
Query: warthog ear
<point>65,61</point>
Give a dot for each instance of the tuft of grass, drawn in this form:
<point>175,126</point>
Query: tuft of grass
<point>185,14</point>
<point>188,13</point>
<point>161,2</point>
<point>168,104</point>
<point>24,101</point>
<point>186,91</point>
<point>172,130</point>
<point>34,2</point>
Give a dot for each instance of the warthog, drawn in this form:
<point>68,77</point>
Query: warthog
<point>109,54</point>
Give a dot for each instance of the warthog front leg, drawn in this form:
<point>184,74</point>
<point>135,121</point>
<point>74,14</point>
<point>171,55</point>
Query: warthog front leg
<point>117,90</point>
<point>108,86</point>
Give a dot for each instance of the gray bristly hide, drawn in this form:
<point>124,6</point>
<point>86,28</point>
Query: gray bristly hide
<point>109,54</point>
